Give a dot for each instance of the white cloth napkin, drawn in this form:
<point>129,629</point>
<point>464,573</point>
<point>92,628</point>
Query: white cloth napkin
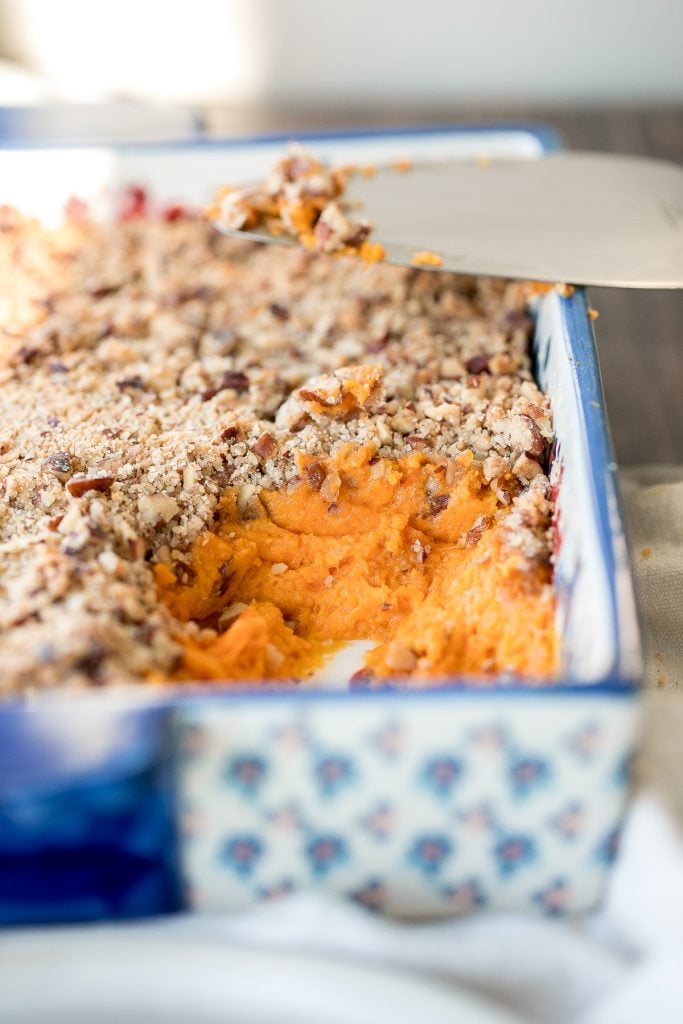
<point>624,966</point>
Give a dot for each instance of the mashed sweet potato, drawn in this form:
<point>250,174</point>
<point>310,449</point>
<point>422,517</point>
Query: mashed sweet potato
<point>409,553</point>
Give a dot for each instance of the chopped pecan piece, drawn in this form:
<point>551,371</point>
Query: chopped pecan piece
<point>233,380</point>
<point>104,290</point>
<point>182,295</point>
<point>91,663</point>
<point>316,475</point>
<point>77,486</point>
<point>26,355</point>
<point>454,473</point>
<point>477,364</point>
<point>378,343</point>
<point>522,434</point>
<point>331,486</point>
<point>279,312</point>
<point>416,440</point>
<point>223,340</point>
<point>228,433</point>
<point>537,445</point>
<point>135,383</point>
<point>157,508</point>
<point>438,503</point>
<point>222,583</point>
<point>265,446</point>
<point>526,467</point>
<point>400,658</point>
<point>60,464</point>
<point>476,531</point>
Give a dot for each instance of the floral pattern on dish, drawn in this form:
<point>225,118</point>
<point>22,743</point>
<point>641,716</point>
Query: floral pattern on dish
<point>447,808</point>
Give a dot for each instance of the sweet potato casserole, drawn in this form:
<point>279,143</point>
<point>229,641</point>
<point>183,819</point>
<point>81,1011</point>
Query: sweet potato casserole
<point>221,461</point>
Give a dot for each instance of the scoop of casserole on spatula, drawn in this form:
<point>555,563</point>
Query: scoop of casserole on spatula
<point>584,218</point>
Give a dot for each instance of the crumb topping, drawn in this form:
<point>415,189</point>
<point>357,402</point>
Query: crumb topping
<point>303,198</point>
<point>148,364</point>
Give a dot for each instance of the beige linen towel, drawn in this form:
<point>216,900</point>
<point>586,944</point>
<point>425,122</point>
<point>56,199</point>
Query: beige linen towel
<point>653,499</point>
<point>653,496</point>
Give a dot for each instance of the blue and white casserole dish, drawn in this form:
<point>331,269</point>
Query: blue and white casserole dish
<point>416,803</point>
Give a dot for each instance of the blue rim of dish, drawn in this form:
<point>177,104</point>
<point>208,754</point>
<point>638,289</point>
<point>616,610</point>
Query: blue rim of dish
<point>580,339</point>
<point>622,680</point>
<point>548,139</point>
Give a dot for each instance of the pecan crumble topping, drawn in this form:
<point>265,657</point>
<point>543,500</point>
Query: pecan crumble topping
<point>149,364</point>
<point>304,198</point>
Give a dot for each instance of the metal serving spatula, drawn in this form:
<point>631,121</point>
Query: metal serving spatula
<point>580,218</point>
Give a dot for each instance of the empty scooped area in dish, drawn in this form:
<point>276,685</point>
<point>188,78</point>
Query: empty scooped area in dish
<point>411,554</point>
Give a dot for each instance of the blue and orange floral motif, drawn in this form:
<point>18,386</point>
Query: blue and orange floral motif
<point>490,738</point>
<point>527,774</point>
<point>429,853</point>
<point>326,852</point>
<point>292,736</point>
<point>287,818</point>
<point>513,852</point>
<point>372,895</point>
<point>242,853</point>
<point>477,819</point>
<point>464,897</point>
<point>388,740</point>
<point>440,774</point>
<point>246,773</point>
<point>553,900</point>
<point>380,820</point>
<point>479,813</point>
<point>333,772</point>
<point>570,822</point>
<point>585,743</point>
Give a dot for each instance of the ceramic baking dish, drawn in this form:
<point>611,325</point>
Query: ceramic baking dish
<point>422,803</point>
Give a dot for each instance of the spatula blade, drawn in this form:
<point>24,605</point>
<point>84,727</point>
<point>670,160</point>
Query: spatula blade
<point>581,218</point>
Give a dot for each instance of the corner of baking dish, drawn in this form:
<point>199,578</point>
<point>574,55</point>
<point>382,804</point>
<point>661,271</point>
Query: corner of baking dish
<point>596,603</point>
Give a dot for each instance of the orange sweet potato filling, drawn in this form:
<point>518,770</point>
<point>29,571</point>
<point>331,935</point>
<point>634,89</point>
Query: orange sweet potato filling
<point>409,554</point>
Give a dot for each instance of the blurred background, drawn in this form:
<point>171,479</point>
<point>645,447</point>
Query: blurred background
<point>319,52</point>
<point>606,74</point>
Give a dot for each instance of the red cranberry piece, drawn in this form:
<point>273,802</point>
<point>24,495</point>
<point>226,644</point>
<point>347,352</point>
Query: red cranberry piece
<point>133,203</point>
<point>174,211</point>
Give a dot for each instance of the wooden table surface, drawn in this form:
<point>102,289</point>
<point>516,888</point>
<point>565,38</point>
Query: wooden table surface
<point>639,333</point>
